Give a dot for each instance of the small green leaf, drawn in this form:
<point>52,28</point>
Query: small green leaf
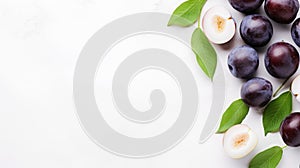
<point>276,112</point>
<point>205,53</point>
<point>269,158</point>
<point>234,115</point>
<point>187,13</point>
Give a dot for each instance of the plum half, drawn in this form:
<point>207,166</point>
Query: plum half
<point>239,141</point>
<point>218,25</point>
<point>295,88</point>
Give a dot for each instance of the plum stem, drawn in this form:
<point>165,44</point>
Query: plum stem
<point>199,22</point>
<point>280,87</point>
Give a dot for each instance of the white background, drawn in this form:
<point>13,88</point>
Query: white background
<point>40,43</point>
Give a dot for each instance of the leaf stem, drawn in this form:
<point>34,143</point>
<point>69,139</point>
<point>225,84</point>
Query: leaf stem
<point>280,87</point>
<point>283,147</point>
<point>199,22</point>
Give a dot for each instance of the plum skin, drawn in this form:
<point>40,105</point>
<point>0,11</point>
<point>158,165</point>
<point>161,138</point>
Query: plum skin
<point>246,7</point>
<point>282,11</point>
<point>290,130</point>
<point>295,32</point>
<point>282,60</point>
<point>256,30</point>
<point>257,92</point>
<point>243,62</point>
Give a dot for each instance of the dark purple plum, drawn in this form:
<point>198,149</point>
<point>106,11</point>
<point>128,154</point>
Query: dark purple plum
<point>282,11</point>
<point>282,60</point>
<point>290,130</point>
<point>243,62</point>
<point>248,6</point>
<point>295,31</point>
<point>257,92</point>
<point>256,30</point>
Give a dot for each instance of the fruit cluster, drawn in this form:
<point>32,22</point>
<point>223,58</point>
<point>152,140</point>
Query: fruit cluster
<point>281,60</point>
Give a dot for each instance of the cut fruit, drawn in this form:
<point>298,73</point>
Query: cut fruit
<point>218,25</point>
<point>239,141</point>
<point>295,88</point>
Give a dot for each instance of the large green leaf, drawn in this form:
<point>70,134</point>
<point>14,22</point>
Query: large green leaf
<point>205,53</point>
<point>187,13</point>
<point>269,158</point>
<point>234,115</point>
<point>276,112</point>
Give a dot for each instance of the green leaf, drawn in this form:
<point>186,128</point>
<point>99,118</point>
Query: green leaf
<point>187,13</point>
<point>205,53</point>
<point>269,158</point>
<point>276,112</point>
<point>234,115</point>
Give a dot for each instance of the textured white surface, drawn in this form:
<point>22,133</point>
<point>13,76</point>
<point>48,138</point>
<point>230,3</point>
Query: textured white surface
<point>41,40</point>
